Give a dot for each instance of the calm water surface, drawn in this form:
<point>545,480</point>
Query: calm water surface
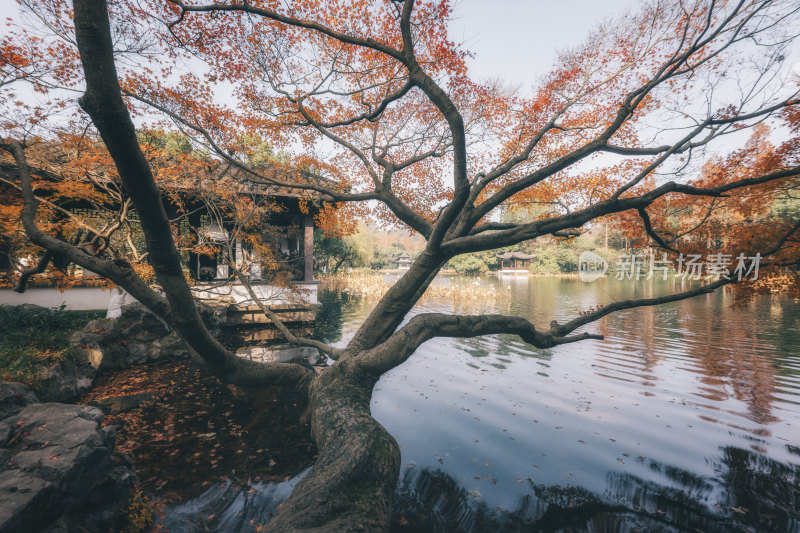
<point>685,418</point>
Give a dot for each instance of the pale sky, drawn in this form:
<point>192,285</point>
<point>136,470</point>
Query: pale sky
<point>514,40</point>
<point>517,40</point>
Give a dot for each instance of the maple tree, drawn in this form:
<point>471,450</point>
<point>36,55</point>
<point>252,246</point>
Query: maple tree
<point>621,127</point>
<point>83,202</point>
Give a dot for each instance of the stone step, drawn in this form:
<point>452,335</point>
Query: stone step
<point>288,313</point>
<point>241,318</point>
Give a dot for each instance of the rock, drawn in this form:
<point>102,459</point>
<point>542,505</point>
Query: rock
<point>85,337</point>
<point>136,337</point>
<point>86,344</point>
<point>14,397</point>
<point>5,436</point>
<point>59,471</point>
<point>65,381</point>
<point>126,402</point>
<point>99,325</point>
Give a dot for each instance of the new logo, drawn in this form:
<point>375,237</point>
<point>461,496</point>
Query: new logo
<point>591,266</point>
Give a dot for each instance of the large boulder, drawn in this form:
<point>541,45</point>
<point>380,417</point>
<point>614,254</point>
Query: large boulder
<point>14,397</point>
<point>64,381</point>
<point>59,472</point>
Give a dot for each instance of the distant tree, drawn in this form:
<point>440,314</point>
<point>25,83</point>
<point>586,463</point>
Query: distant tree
<point>468,264</point>
<point>383,258</point>
<point>333,253</point>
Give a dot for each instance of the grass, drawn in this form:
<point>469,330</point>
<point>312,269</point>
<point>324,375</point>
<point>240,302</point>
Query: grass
<point>31,336</point>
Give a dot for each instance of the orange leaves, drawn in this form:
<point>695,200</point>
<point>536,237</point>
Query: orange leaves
<point>339,221</point>
<point>327,80</point>
<point>12,56</point>
<point>746,220</point>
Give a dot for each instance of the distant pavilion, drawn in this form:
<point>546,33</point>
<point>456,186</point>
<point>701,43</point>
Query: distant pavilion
<point>404,261</point>
<point>514,262</point>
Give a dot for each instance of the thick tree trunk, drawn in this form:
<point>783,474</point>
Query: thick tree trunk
<point>352,484</point>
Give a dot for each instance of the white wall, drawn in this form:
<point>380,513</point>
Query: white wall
<point>93,298</point>
<point>269,294</point>
<point>76,299</point>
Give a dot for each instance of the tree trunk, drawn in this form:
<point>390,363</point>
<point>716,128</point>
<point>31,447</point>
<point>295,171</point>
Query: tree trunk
<point>352,484</point>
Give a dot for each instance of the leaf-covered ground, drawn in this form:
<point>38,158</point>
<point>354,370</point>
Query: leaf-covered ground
<point>196,431</point>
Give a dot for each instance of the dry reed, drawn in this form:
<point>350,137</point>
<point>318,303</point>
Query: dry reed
<point>373,285</point>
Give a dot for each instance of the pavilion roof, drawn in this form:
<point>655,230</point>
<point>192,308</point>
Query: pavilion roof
<point>514,255</point>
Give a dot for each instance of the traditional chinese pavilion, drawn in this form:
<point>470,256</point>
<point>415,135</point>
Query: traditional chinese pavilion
<point>404,261</point>
<point>514,262</point>
<point>290,227</point>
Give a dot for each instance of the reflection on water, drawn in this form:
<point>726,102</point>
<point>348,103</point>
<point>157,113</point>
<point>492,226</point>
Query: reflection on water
<point>430,500</point>
<point>230,506</point>
<point>686,417</point>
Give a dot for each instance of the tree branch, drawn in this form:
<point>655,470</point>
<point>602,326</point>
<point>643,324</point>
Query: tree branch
<point>648,227</point>
<point>117,271</point>
<point>582,320</point>
<point>669,69</point>
<point>103,102</point>
<point>576,219</point>
<point>258,177</point>
<point>289,21</point>
<point>41,266</point>
<point>399,347</point>
<point>572,325</point>
<point>333,352</point>
<point>375,113</point>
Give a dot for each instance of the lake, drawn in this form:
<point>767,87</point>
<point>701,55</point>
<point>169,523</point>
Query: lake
<point>685,418</point>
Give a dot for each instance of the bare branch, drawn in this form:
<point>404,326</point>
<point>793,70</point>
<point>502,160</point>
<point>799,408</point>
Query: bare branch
<point>289,21</point>
<point>331,351</point>
<point>576,219</point>
<point>425,326</point>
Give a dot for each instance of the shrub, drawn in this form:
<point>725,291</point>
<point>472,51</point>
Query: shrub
<point>545,262</point>
<point>468,264</point>
<point>30,335</point>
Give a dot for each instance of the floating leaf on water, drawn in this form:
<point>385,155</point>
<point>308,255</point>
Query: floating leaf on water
<point>474,493</point>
